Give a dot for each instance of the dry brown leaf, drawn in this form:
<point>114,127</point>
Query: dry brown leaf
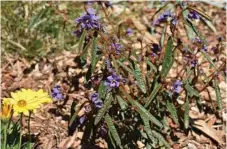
<point>205,128</point>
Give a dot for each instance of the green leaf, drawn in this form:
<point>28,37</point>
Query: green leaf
<point>148,130</point>
<point>153,94</point>
<point>186,113</point>
<point>125,67</point>
<point>102,111</point>
<point>168,58</point>
<point>102,90</point>
<point>163,35</point>
<point>191,91</point>
<point>218,94</point>
<point>151,65</point>
<point>142,110</point>
<point>190,31</point>
<point>123,104</point>
<point>188,72</point>
<point>37,17</point>
<point>113,130</point>
<point>160,138</point>
<point>139,78</point>
<point>208,58</point>
<point>81,41</point>
<point>209,24</point>
<point>173,111</point>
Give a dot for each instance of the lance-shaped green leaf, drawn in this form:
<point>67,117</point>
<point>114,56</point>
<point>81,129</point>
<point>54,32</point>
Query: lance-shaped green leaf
<point>168,58</point>
<point>189,29</point>
<point>173,111</point>
<point>153,94</point>
<point>208,58</point>
<point>148,130</point>
<point>125,67</point>
<point>209,24</point>
<point>218,94</point>
<point>151,65</point>
<point>113,130</point>
<point>81,41</point>
<point>163,35</point>
<point>139,79</point>
<point>102,111</point>
<point>123,104</point>
<point>142,110</point>
<point>186,113</point>
<point>102,90</point>
<point>191,91</point>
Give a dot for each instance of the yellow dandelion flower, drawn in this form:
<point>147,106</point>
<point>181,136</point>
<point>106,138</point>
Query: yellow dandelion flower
<point>6,109</point>
<point>27,100</point>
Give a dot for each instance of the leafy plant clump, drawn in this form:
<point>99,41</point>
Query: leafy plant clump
<point>135,98</point>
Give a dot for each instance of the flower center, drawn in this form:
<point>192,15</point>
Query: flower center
<point>22,103</point>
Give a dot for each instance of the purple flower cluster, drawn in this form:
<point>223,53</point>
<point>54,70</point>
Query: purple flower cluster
<point>56,93</point>
<point>167,15</point>
<point>116,47</point>
<point>95,99</point>
<point>177,86</point>
<point>113,81</point>
<point>194,62</point>
<point>193,15</point>
<point>88,21</point>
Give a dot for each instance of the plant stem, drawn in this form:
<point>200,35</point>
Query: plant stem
<point>20,139</point>
<point>5,137</point>
<point>29,134</point>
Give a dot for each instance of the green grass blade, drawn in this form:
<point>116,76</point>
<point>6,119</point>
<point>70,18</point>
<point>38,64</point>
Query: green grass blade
<point>153,94</point>
<point>191,91</point>
<point>186,113</point>
<point>123,104</point>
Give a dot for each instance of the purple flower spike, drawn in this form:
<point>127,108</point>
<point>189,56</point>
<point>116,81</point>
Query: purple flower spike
<point>193,15</point>
<point>156,49</point>
<point>174,21</point>
<point>177,86</point>
<point>129,31</point>
<point>113,81</point>
<point>116,47</point>
<point>56,93</point>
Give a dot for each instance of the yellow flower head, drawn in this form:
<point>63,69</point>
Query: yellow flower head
<point>6,109</point>
<point>27,100</point>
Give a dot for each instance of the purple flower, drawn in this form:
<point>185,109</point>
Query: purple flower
<point>220,38</point>
<point>194,62</point>
<point>156,49</point>
<point>174,21</point>
<point>163,17</point>
<point>98,103</point>
<point>129,31</point>
<point>197,40</point>
<point>56,93</point>
<point>89,20</point>
<point>116,47</point>
<point>204,48</point>
<point>113,81</point>
<point>82,119</point>
<point>95,99</point>
<point>193,15</point>
<point>177,86</point>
